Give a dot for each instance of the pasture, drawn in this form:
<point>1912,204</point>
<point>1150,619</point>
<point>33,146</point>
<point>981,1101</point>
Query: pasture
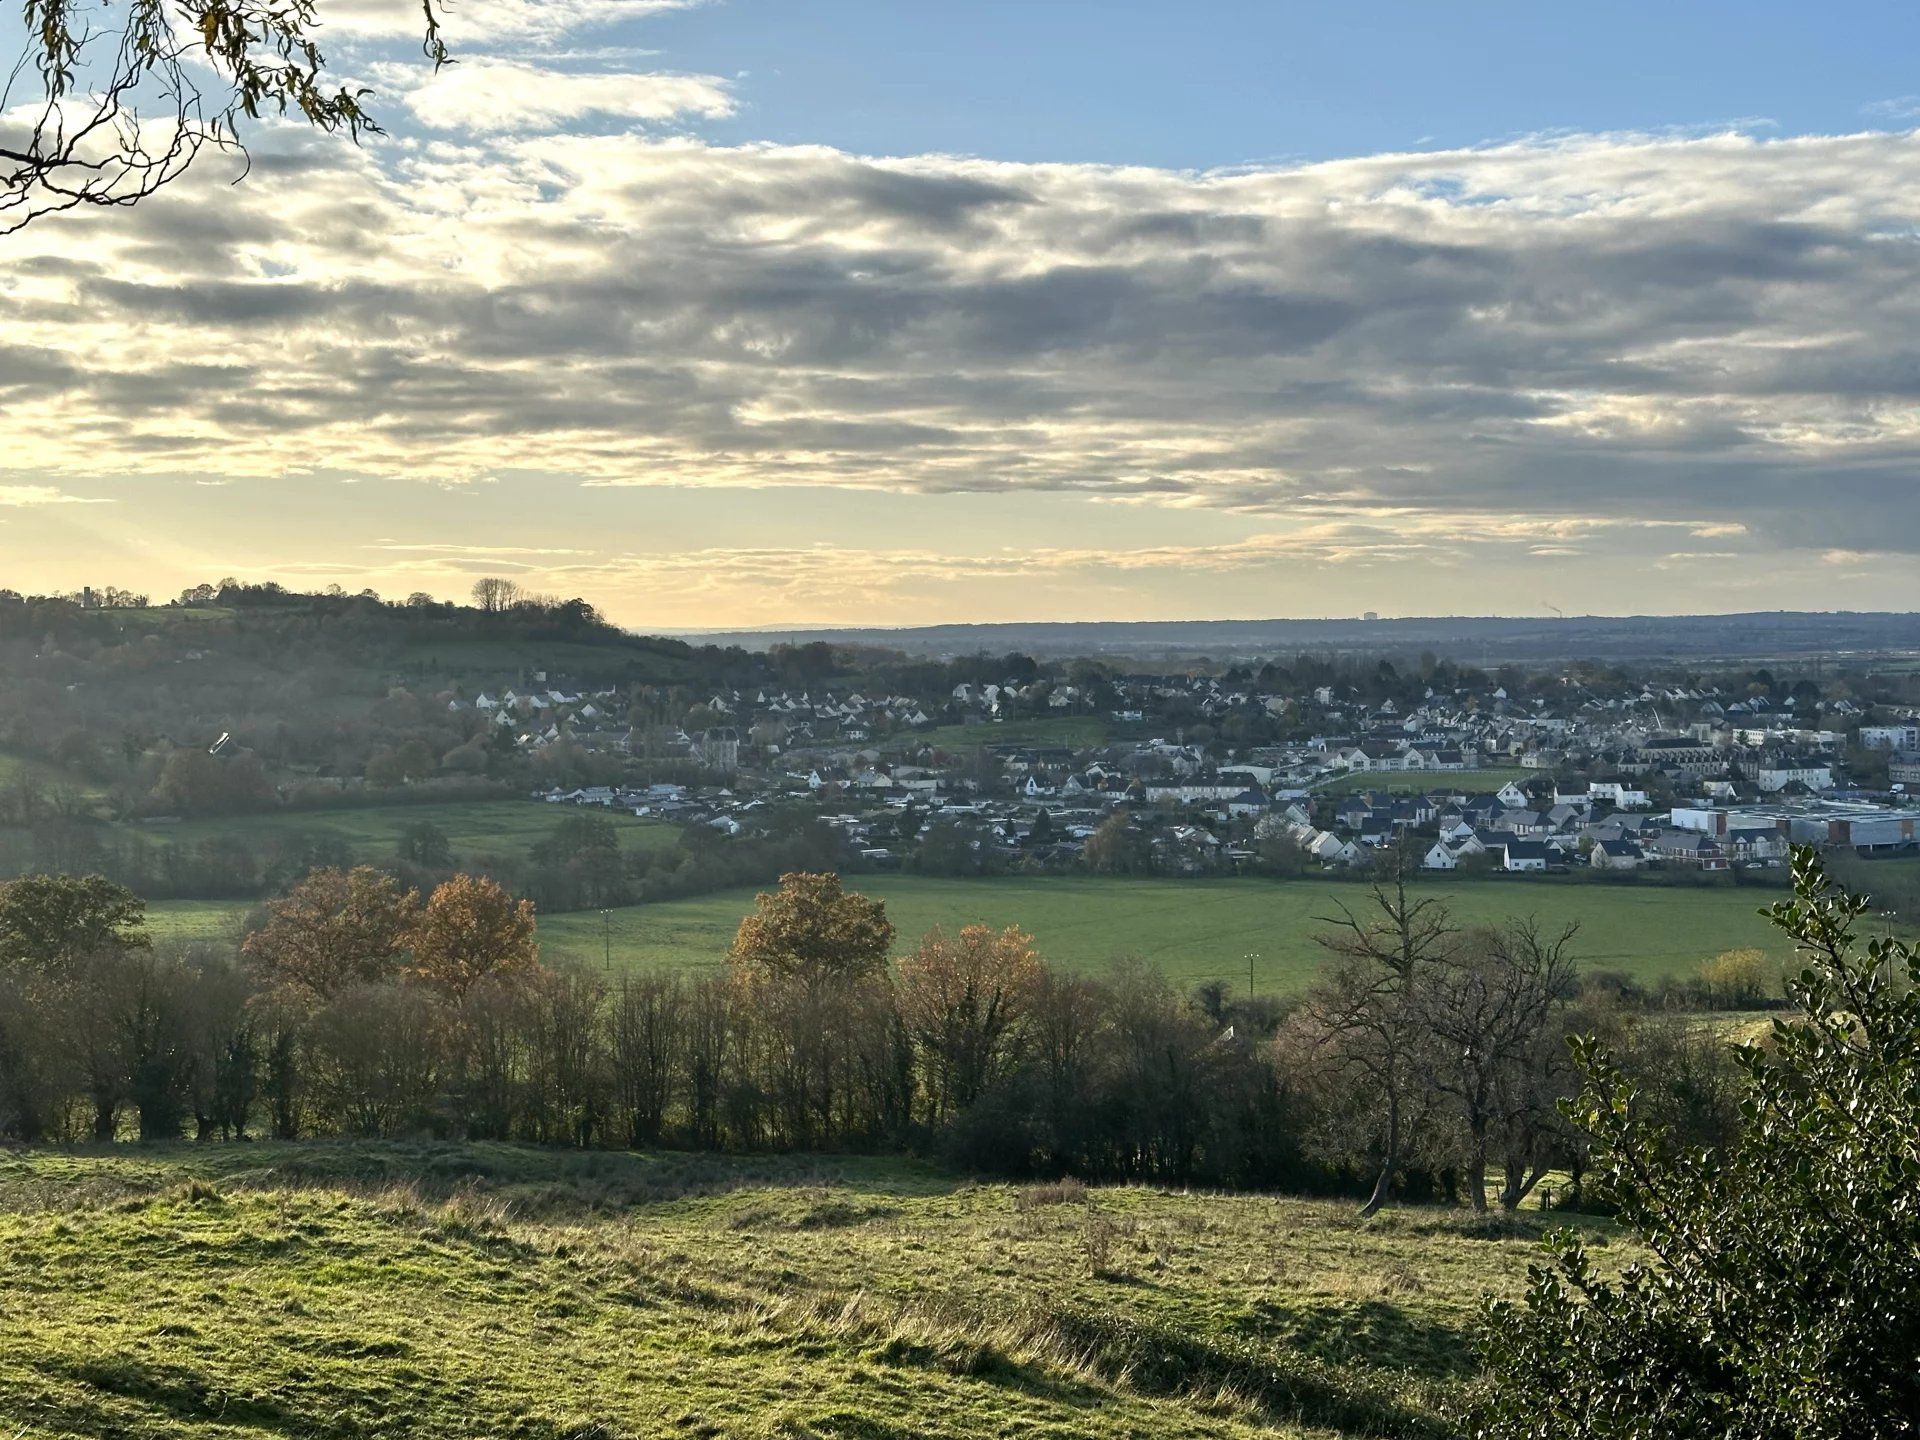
<point>1423,782</point>
<point>371,834</point>
<point>1198,930</point>
<point>438,1290</point>
<point>1076,731</point>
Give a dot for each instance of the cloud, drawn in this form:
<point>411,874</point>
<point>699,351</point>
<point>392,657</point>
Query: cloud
<point>433,548</point>
<point>1900,107</point>
<point>465,24</point>
<point>489,95</point>
<point>1375,360</point>
<point>20,497</point>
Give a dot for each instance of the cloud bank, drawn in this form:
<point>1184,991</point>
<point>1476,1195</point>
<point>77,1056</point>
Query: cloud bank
<point>1546,347</point>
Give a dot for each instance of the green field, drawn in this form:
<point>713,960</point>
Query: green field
<point>475,829</point>
<point>196,920</point>
<point>15,767</point>
<point>1471,782</point>
<point>248,1291</point>
<point>1202,929</point>
<point>1077,731</point>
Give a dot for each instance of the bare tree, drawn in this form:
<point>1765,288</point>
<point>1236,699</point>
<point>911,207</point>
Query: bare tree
<point>1498,1051</point>
<point>1369,1011</point>
<point>120,109</point>
<point>494,595</point>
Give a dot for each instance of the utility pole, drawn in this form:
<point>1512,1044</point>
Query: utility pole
<point>1250,959</point>
<point>606,938</point>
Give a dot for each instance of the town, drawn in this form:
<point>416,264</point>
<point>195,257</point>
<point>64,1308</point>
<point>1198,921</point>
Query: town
<point>1616,779</point>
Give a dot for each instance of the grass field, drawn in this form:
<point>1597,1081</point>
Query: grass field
<point>474,828</point>
<point>439,1291</point>
<point>1078,731</point>
<point>192,920</point>
<point>14,767</point>
<point>1471,782</point>
<point>1202,929</point>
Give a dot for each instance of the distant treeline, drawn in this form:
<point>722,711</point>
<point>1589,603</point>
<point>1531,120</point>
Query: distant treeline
<point>1429,1061</point>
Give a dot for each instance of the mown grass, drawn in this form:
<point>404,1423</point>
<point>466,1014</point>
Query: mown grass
<point>424,1290</point>
<point>1204,929</point>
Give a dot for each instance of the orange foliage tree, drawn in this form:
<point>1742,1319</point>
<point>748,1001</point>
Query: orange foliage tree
<point>472,930</point>
<point>812,931</point>
<point>334,930</point>
<point>966,1000</point>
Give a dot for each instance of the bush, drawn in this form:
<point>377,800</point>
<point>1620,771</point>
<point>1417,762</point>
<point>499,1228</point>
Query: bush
<point>1783,1293</point>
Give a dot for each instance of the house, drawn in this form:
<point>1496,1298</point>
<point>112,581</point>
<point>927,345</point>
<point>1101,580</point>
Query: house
<point>1330,849</point>
<point>1620,854</point>
<point>1621,793</point>
<point>1513,796</point>
<point>1776,774</point>
<point>1519,856</point>
<point>719,748</point>
<point>1688,847</point>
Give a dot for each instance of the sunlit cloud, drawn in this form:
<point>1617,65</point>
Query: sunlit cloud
<point>19,497</point>
<point>487,95</point>
<point>1427,364</point>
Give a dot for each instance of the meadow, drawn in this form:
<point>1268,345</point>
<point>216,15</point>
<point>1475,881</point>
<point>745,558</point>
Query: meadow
<point>1079,732</point>
<point>371,834</point>
<point>1474,782</point>
<point>439,1290</point>
<point>1198,930</point>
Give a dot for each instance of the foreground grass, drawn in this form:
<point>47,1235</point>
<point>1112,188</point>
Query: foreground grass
<point>1203,929</point>
<point>339,1290</point>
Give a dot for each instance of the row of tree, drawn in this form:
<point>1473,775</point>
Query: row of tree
<point>1430,1057</point>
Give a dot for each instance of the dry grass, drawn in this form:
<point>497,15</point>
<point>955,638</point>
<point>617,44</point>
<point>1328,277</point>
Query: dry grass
<point>437,1290</point>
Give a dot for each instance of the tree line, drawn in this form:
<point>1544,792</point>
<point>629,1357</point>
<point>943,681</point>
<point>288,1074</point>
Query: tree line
<point>1427,1062</point>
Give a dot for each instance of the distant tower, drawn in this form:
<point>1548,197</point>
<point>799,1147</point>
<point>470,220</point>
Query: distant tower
<point>1371,615</point>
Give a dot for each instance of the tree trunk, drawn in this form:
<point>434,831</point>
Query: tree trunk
<point>1389,1162</point>
<point>1477,1171</point>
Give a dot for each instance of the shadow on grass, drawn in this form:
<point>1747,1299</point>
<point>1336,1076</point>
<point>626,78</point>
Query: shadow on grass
<point>1373,1332</point>
<point>1301,1389</point>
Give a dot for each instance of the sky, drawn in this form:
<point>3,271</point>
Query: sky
<point>755,313</point>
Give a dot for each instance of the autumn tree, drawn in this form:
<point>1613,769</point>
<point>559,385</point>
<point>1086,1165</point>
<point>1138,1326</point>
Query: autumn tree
<point>472,930</point>
<point>811,963</point>
<point>1118,847</point>
<point>336,929</point>
<point>966,1000</point>
<point>812,930</point>
<point>49,922</point>
<point>1741,979</point>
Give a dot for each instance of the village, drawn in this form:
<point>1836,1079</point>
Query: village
<point>1171,775</point>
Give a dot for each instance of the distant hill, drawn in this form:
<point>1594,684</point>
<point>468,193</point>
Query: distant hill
<point>1474,639</point>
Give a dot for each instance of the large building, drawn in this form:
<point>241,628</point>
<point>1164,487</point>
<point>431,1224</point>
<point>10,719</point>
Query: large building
<point>1905,736</point>
<point>1859,825</point>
